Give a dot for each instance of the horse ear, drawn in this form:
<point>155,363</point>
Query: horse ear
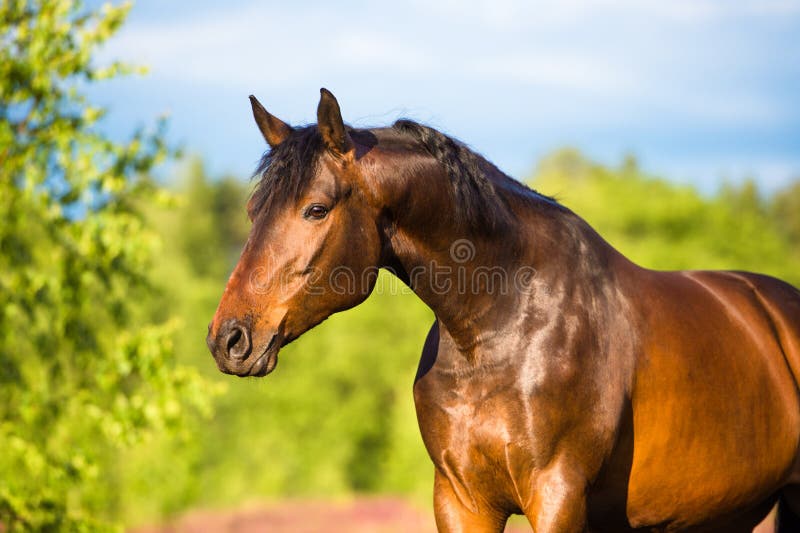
<point>331,126</point>
<point>274,130</point>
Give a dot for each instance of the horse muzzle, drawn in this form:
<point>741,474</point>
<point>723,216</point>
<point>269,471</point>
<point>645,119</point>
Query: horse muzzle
<point>235,352</point>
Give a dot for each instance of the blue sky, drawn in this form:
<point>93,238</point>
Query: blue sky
<point>698,90</point>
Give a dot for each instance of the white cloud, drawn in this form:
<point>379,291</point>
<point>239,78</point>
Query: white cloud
<point>235,47</point>
<point>612,49</point>
<point>262,45</point>
<point>561,70</point>
<point>514,14</point>
<point>361,48</point>
<point>682,78</point>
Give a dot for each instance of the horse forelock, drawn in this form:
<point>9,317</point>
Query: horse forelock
<point>285,171</point>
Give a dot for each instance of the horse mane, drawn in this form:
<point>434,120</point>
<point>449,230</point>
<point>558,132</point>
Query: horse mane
<point>479,204</point>
<point>285,171</point>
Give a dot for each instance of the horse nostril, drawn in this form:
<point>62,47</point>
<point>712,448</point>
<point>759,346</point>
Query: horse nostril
<point>237,343</point>
<point>234,338</point>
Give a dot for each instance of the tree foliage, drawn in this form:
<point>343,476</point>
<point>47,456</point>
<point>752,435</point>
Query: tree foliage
<point>82,371</point>
<point>785,208</point>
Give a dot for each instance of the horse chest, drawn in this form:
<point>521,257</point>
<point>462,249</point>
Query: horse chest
<point>485,409</point>
<point>480,434</point>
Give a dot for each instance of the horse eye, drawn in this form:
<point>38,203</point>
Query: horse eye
<point>317,211</point>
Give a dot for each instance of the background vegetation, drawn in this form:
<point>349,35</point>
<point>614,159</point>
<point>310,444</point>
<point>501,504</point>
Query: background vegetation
<point>111,409</point>
<point>85,371</point>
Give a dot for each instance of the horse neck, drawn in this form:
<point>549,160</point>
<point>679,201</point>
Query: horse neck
<point>479,282</point>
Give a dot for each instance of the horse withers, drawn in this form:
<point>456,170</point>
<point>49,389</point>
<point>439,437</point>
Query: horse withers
<point>560,380</point>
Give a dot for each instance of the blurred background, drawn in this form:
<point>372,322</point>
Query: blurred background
<point>673,128</point>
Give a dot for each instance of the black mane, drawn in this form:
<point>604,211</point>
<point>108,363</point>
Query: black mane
<point>480,206</point>
<point>285,171</point>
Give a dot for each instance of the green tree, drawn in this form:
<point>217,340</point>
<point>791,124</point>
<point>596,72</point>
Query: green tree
<point>785,210</point>
<point>212,222</point>
<point>83,371</point>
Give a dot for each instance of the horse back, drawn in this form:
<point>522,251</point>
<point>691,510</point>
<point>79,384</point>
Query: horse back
<point>781,304</point>
<point>716,412</point>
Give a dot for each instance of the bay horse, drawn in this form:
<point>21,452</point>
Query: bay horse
<point>560,380</point>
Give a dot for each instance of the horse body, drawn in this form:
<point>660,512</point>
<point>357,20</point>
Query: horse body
<point>666,397</point>
<point>592,394</point>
